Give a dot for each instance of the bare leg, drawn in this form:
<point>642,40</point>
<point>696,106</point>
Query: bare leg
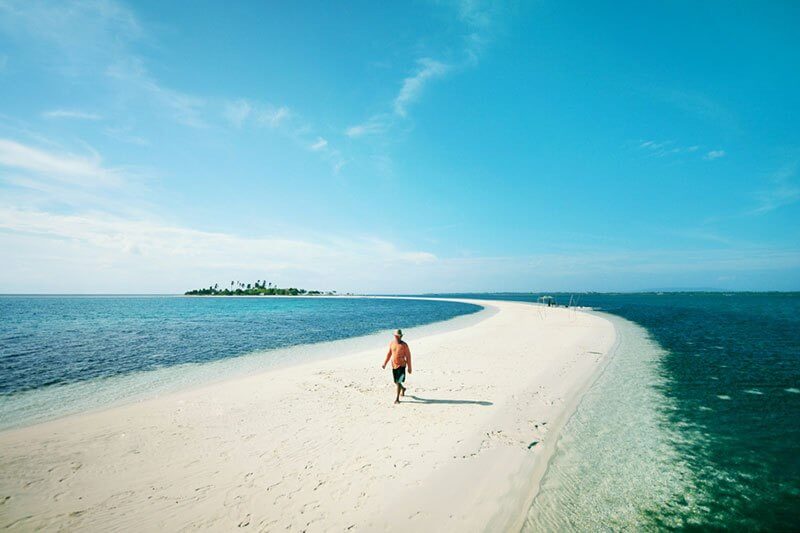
<point>402,390</point>
<point>397,398</point>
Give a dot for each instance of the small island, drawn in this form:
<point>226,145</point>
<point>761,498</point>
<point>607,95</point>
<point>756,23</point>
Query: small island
<point>259,288</point>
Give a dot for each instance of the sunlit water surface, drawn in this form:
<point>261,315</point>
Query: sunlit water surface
<point>65,354</point>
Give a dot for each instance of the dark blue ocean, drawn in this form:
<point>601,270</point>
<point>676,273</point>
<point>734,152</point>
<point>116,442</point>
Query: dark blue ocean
<point>696,426</point>
<point>63,349</point>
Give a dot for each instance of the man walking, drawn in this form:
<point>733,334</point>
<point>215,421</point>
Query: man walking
<point>400,354</point>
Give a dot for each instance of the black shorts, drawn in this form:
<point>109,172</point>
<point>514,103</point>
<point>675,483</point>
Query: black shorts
<point>399,375</point>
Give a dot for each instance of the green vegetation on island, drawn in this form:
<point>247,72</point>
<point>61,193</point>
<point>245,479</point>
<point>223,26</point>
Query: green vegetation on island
<point>259,288</point>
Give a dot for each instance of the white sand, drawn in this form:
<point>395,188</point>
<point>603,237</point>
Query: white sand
<point>320,446</point>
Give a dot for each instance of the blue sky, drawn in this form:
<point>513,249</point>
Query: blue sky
<point>399,146</point>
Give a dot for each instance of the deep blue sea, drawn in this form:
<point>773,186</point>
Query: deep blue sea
<point>695,424</point>
<point>57,349</point>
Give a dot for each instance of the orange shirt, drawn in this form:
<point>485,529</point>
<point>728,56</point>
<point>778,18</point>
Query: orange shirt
<point>401,355</point>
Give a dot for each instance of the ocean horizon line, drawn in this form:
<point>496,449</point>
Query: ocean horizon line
<point>427,294</point>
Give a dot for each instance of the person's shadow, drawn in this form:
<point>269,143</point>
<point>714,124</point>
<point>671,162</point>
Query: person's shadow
<point>417,399</point>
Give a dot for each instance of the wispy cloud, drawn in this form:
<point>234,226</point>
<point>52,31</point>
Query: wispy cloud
<point>90,37</point>
<point>219,249</point>
<point>65,214</point>
<point>99,36</point>
<point>319,144</point>
<point>65,167</point>
<point>477,19</point>
<point>332,155</point>
<point>139,244</point>
<point>71,114</point>
<point>185,108</point>
<point>656,147</point>
<point>671,148</point>
<point>783,190</point>
<point>429,69</point>
<point>49,176</point>
<point>237,112</point>
<point>374,125</point>
<point>72,37</point>
<point>410,91</point>
<point>186,257</point>
<point>242,111</point>
<point>273,116</point>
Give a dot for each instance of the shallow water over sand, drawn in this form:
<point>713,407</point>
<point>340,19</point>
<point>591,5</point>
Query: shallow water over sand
<point>616,465</point>
<point>64,354</point>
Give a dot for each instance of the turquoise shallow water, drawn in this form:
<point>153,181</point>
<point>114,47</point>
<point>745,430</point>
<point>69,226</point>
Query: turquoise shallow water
<point>617,463</point>
<point>62,354</point>
<point>694,425</point>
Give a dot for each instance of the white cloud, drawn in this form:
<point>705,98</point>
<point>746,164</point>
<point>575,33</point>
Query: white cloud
<point>376,124</point>
<point>97,252</point>
<point>71,114</point>
<point>413,85</point>
<point>319,144</point>
<point>671,148</point>
<point>64,167</point>
<point>477,19</point>
<point>654,145</point>
<point>410,91</point>
<point>242,111</point>
<point>333,156</point>
<point>55,210</point>
<point>108,251</point>
<point>360,130</point>
<point>273,116</point>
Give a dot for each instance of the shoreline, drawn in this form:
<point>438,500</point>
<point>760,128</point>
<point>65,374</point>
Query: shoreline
<point>145,385</point>
<point>325,435</point>
<point>552,446</point>
<point>622,400</point>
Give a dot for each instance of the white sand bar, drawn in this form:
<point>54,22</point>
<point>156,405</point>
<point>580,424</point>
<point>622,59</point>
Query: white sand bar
<point>320,446</point>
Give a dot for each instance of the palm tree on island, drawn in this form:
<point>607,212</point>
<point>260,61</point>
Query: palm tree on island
<point>259,288</point>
